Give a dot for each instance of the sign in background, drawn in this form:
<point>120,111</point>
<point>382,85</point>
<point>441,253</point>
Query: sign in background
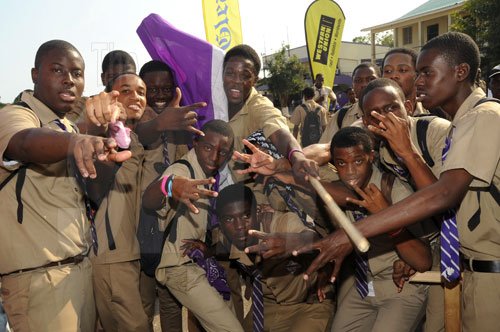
<point>323,25</point>
<point>222,23</point>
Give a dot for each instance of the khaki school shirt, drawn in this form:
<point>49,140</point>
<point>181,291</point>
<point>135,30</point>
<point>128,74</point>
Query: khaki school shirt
<point>120,209</point>
<point>54,225</point>
<point>327,93</point>
<point>436,133</point>
<point>475,147</point>
<point>299,114</point>
<point>419,110</point>
<point>354,113</point>
<point>257,113</point>
<point>189,225</point>
<point>282,279</point>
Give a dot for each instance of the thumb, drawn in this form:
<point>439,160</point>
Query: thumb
<point>336,270</point>
<point>176,101</point>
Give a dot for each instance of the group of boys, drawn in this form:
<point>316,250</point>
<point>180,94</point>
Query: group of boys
<point>72,202</point>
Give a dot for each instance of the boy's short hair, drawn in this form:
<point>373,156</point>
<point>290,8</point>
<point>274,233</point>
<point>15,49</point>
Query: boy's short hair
<point>457,48</point>
<point>52,45</point>
<point>308,92</point>
<point>234,193</point>
<point>154,65</point>
<point>401,50</point>
<point>367,65</point>
<point>380,83</point>
<point>349,137</point>
<point>245,52</point>
<point>115,58</point>
<point>220,127</point>
<point>109,86</point>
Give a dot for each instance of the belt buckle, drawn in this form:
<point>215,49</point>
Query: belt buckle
<point>470,262</point>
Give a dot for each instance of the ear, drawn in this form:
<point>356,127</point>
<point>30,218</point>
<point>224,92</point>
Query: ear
<point>102,79</point>
<point>462,71</point>
<point>372,156</point>
<point>34,75</point>
<point>409,107</point>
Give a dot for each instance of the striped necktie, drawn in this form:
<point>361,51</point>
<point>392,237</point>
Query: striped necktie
<point>166,159</point>
<point>257,296</point>
<point>450,245</point>
<point>361,264</point>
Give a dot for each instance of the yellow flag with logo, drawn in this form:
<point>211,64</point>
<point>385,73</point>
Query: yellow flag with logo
<point>324,24</point>
<point>222,23</point>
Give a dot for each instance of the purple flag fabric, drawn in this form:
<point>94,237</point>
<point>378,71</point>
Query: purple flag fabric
<point>197,65</point>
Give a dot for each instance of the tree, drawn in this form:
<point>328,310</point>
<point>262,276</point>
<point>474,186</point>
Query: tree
<point>479,19</point>
<point>384,39</point>
<point>286,75</point>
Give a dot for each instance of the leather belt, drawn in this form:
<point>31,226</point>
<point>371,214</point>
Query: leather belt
<point>70,260</point>
<point>476,265</point>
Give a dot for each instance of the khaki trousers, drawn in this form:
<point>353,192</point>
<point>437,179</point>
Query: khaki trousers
<point>52,299</point>
<point>190,286</point>
<point>118,301</point>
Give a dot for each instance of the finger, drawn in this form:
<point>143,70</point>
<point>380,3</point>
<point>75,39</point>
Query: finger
<point>207,193</point>
<point>88,153</point>
<point>359,191</point>
<point>377,130</point>
<point>78,155</point>
<point>175,102</point>
<point>258,234</point>
<point>190,206</point>
<point>195,131</point>
<point>249,145</point>
<point>114,109</point>
<point>90,111</point>
<point>316,264</point>
<point>305,249</point>
<point>255,249</point>
<point>261,163</point>
<point>241,157</point>
<point>119,157</point>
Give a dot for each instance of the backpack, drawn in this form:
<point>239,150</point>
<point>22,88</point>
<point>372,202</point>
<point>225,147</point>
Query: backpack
<point>151,238</point>
<point>311,130</point>
<point>340,117</point>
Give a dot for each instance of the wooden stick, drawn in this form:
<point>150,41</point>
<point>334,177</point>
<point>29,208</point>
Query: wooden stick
<point>359,241</point>
<point>431,277</point>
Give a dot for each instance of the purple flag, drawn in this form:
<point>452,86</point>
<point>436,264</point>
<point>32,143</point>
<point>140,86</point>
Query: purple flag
<point>197,65</point>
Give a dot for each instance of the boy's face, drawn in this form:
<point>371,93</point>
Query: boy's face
<point>436,81</point>
<point>212,150</point>
<point>239,78</point>
<point>383,101</point>
<point>354,165</point>
<point>114,71</point>
<point>161,89</point>
<point>361,78</point>
<point>236,220</point>
<point>59,80</point>
<point>132,95</point>
<point>318,82</point>
<point>399,68</point>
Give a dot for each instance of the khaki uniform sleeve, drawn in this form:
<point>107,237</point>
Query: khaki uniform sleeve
<point>264,116</point>
<point>323,116</point>
<point>13,119</point>
<point>296,117</point>
<point>475,145</point>
<point>287,222</point>
<point>436,135</point>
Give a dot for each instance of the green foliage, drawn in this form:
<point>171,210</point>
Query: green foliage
<point>286,75</point>
<point>479,19</point>
<point>385,38</point>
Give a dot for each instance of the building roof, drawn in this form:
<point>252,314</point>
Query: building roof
<point>429,7</point>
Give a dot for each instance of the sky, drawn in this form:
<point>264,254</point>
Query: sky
<point>96,27</point>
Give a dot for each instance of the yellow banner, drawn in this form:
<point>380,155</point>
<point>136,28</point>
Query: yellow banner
<point>324,24</point>
<point>222,23</point>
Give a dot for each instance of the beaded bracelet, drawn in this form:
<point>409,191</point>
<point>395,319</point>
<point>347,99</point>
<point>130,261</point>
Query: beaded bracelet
<point>163,186</point>
<point>292,151</point>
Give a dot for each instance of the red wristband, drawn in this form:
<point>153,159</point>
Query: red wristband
<point>163,185</point>
<point>396,232</point>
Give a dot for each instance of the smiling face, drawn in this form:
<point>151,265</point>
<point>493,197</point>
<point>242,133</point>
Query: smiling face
<point>399,68</point>
<point>436,81</point>
<point>239,78</point>
<point>161,89</point>
<point>59,79</point>
<point>383,101</point>
<point>236,219</point>
<point>132,95</point>
<point>354,165</point>
<point>212,150</point>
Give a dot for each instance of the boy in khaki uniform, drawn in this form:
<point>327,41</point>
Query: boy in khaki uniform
<point>289,302</point>
<point>186,212</point>
<point>447,67</point>
<point>116,264</point>
<point>299,114</point>
<point>46,277</point>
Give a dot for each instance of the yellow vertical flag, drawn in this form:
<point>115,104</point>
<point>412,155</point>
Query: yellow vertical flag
<point>324,24</point>
<point>222,23</point>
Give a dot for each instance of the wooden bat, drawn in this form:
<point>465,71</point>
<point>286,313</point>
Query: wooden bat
<point>359,240</point>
